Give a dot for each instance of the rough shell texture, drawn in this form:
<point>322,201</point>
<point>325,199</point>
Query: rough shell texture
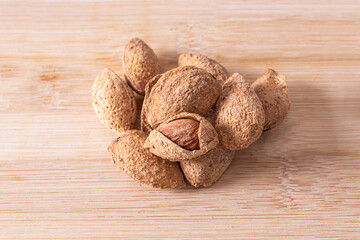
<point>208,168</point>
<point>208,64</point>
<point>163,147</point>
<point>240,115</point>
<point>140,64</point>
<point>114,101</point>
<point>144,125</point>
<point>272,91</point>
<point>128,154</point>
<point>184,89</point>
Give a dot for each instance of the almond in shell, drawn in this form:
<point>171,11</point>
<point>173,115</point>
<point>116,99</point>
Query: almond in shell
<point>240,115</point>
<point>182,137</point>
<point>113,101</point>
<point>184,89</point>
<point>208,168</point>
<point>128,153</point>
<point>140,64</point>
<point>273,93</point>
<point>208,64</point>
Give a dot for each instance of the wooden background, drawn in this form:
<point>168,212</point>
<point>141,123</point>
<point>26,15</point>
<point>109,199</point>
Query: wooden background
<point>299,182</point>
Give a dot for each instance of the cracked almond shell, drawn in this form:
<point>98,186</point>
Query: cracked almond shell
<point>208,168</point>
<point>163,147</point>
<point>128,153</point>
<point>184,89</point>
<point>140,64</point>
<point>113,101</point>
<point>208,64</point>
<point>240,115</point>
<point>273,93</point>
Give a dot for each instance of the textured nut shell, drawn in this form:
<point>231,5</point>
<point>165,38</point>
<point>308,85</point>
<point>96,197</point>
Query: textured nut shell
<point>114,101</point>
<point>208,64</point>
<point>207,169</point>
<point>140,64</point>
<point>128,154</point>
<point>144,125</point>
<point>184,89</point>
<point>240,115</point>
<point>273,93</point>
<point>163,147</point>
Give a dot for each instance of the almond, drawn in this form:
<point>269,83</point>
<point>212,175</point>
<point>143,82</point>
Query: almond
<point>239,114</point>
<point>114,101</point>
<point>185,89</point>
<point>210,65</point>
<point>128,153</point>
<point>208,168</point>
<point>140,64</point>
<point>182,137</point>
<point>183,132</point>
<point>273,93</point>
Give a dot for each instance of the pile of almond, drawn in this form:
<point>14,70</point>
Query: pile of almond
<point>193,117</point>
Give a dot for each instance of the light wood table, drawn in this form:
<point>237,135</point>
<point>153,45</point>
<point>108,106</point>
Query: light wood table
<point>301,181</point>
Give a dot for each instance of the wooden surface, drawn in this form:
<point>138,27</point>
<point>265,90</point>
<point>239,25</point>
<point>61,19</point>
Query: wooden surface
<point>299,182</point>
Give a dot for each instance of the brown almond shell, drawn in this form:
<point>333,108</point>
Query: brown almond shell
<point>114,101</point>
<point>128,153</point>
<point>203,62</point>
<point>273,93</point>
<point>163,147</point>
<point>240,115</point>
<point>144,125</point>
<point>208,168</point>
<point>184,89</point>
<point>140,64</point>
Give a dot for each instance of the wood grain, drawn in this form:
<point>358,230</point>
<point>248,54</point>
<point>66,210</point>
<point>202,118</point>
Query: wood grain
<point>301,181</point>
